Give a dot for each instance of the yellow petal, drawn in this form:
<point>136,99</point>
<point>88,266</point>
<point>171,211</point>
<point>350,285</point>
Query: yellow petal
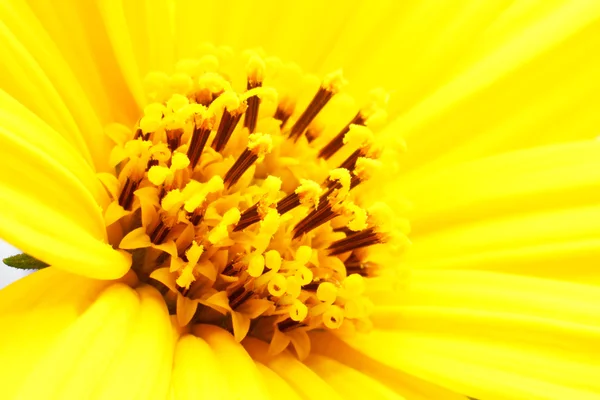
<point>527,180</point>
<point>540,243</point>
<point>497,292</point>
<point>76,360</point>
<point>78,32</point>
<point>278,388</point>
<point>404,384</point>
<point>134,371</point>
<point>297,375</point>
<point>25,129</point>
<point>47,288</point>
<point>349,382</point>
<point>529,211</point>
<point>512,85</point>
<point>482,370</point>
<point>450,32</point>
<point>48,200</point>
<point>243,377</point>
<point>114,15</point>
<point>537,336</point>
<point>253,308</point>
<point>42,80</point>
<point>197,373</point>
<point>35,313</point>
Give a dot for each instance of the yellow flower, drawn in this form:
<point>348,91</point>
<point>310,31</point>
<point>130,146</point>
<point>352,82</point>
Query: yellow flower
<point>222,224</point>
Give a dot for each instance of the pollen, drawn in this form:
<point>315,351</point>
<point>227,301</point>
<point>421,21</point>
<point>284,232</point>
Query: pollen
<point>255,200</point>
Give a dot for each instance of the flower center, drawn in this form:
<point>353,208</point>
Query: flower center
<point>266,227</point>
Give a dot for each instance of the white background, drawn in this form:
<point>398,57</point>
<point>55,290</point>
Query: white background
<point>8,274</point>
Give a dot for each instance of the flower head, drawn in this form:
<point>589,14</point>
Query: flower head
<point>223,224</point>
<point>249,213</point>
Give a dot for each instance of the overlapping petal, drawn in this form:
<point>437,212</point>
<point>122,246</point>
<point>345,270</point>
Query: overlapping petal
<point>85,339</point>
<point>43,81</point>
<point>529,212</point>
<point>490,335</point>
<point>474,81</point>
<point>50,199</point>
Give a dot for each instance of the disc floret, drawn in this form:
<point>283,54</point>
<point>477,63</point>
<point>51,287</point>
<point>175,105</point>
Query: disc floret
<point>259,226</point>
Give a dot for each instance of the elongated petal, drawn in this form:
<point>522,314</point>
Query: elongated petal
<point>134,371</point>
<point>499,372</point>
<point>50,198</point>
<point>529,211</point>
<point>99,353</point>
<point>475,82</point>
<point>243,377</point>
<point>278,388</point>
<point>130,53</point>
<point>305,382</point>
<point>47,288</point>
<point>542,178</point>
<point>35,312</point>
<point>512,85</point>
<point>348,381</point>
<point>406,385</point>
<point>77,31</point>
<point>520,337</point>
<point>43,81</point>
<point>197,373</point>
<point>560,244</point>
<point>75,364</point>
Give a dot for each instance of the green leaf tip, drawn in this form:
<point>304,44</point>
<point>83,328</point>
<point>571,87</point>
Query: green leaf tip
<point>24,261</point>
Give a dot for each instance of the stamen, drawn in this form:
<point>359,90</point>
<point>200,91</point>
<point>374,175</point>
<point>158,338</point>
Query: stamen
<point>229,121</point>
<point>151,163</point>
<point>258,146</point>
<point>198,141</point>
<point>330,86</point>
<point>356,240</point>
<point>355,181</point>
<point>255,68</point>
<point>350,162</point>
<point>307,194</point>
<point>196,217</point>
<point>239,296</point>
<point>284,111</point>
<point>182,290</point>
<point>254,214</point>
<point>174,138</point>
<point>338,184</point>
<point>140,134</point>
<point>337,142</point>
<point>312,287</point>
<point>288,203</point>
<point>252,112</point>
<point>245,161</point>
<point>126,196</point>
<point>159,233</point>
<point>363,168</point>
<point>314,219</point>
<point>355,266</point>
<point>289,324</point>
<point>312,133</point>
<point>231,268</point>
<point>248,218</point>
